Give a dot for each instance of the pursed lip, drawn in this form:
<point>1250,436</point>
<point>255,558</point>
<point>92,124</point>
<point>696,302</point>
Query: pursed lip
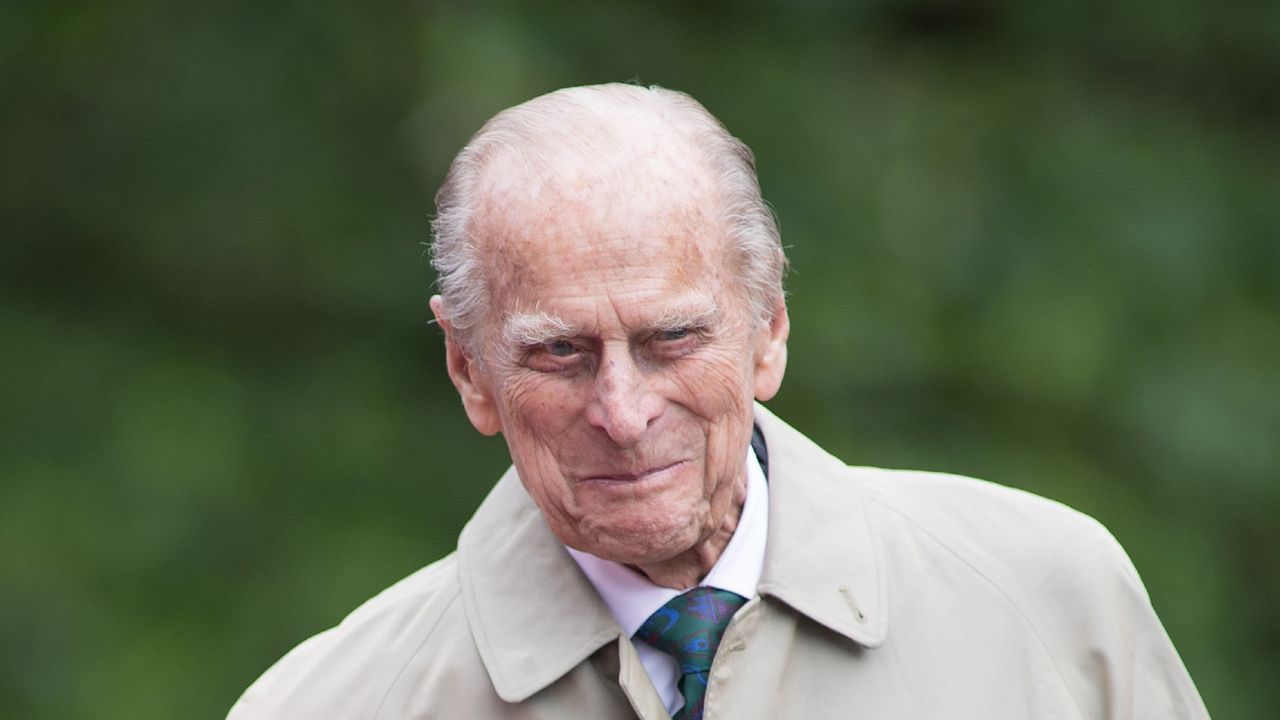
<point>626,477</point>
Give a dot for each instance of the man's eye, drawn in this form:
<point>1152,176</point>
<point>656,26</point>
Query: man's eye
<point>672,335</point>
<point>559,348</point>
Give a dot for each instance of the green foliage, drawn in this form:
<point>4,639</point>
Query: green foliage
<point>1037,243</point>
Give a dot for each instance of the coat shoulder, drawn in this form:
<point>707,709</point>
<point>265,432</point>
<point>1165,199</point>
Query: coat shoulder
<point>1017,538</point>
<point>345,671</point>
<point>1056,568</point>
<point>1056,571</point>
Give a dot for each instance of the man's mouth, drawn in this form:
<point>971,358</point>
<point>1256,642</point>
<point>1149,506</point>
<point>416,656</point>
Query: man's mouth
<point>631,475</point>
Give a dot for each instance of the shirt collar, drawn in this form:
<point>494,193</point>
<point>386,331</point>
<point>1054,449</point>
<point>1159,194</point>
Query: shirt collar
<point>632,598</point>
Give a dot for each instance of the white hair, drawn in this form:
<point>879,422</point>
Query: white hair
<point>579,123</point>
<point>535,328</point>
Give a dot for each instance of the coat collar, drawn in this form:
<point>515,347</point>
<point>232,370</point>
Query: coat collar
<point>520,587</point>
<point>532,612</point>
<point>824,557</point>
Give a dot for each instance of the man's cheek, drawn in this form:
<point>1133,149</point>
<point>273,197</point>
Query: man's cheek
<point>537,400</point>
<point>716,391</point>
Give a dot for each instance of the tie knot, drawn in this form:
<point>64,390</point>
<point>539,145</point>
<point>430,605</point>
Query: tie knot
<point>690,625</point>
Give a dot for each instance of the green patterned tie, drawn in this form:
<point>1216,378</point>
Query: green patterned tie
<point>688,628</point>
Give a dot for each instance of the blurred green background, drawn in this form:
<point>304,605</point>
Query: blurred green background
<point>1034,242</point>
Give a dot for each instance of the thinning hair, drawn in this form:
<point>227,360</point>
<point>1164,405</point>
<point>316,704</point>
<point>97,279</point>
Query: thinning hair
<point>580,123</point>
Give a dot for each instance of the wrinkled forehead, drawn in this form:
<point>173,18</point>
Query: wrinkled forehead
<point>596,220</point>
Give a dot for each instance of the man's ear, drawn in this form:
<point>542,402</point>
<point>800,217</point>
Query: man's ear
<point>473,388</point>
<point>771,352</point>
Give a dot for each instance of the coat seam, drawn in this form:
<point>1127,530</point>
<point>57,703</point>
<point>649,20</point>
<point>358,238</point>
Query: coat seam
<point>995,584</point>
<point>404,665</point>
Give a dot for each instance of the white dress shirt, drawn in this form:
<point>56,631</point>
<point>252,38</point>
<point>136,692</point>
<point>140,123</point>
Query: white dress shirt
<point>632,598</point>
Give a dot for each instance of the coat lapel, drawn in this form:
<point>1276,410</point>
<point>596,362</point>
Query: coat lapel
<point>533,615</point>
<point>823,559</point>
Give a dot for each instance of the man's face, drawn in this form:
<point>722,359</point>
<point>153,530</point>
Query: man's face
<point>619,363</point>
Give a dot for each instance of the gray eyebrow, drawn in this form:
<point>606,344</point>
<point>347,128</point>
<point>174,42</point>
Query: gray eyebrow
<point>536,328</point>
<point>539,327</point>
<point>700,314</point>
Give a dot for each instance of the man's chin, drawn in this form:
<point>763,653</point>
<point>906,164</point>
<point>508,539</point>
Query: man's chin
<point>637,549</point>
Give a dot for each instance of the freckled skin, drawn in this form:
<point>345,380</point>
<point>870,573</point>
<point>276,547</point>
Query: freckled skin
<point>631,444</point>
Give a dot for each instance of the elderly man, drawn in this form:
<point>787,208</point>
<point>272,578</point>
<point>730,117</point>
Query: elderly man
<point>611,298</point>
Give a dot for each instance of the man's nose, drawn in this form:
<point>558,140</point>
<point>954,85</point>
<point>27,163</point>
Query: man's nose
<point>625,403</point>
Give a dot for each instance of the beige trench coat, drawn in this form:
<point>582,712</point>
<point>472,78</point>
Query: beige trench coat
<point>885,594</point>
